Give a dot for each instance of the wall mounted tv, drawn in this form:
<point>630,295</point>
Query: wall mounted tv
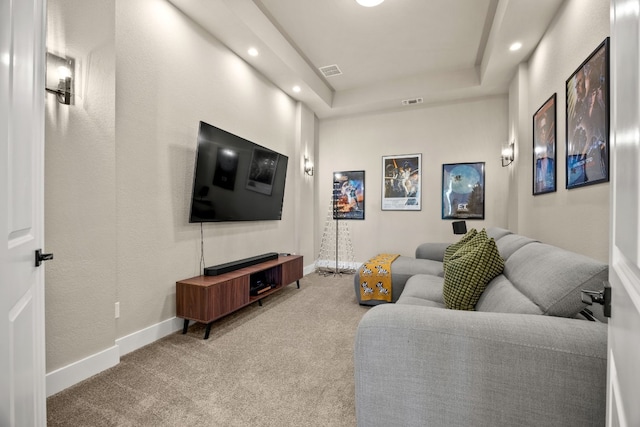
<point>235,179</point>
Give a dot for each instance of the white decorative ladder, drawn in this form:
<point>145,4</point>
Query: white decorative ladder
<point>336,249</point>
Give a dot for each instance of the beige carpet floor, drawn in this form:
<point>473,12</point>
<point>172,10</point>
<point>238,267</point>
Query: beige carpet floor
<point>286,363</point>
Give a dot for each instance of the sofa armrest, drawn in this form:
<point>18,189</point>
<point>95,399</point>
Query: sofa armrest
<point>432,251</point>
<point>417,366</point>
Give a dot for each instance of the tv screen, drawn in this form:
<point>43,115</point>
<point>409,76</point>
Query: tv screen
<point>235,179</point>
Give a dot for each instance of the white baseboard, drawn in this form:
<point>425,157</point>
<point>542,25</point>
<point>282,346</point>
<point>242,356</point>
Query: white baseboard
<point>308,269</point>
<point>79,371</point>
<point>148,335</point>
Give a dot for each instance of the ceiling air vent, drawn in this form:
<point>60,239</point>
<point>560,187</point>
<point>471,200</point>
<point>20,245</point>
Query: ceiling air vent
<point>412,101</point>
<point>330,70</point>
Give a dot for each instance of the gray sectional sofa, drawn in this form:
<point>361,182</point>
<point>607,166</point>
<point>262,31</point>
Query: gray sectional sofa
<point>525,356</point>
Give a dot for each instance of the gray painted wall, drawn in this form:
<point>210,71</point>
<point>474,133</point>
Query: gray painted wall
<point>471,131</point>
<point>576,219</point>
<point>119,168</point>
<point>80,186</point>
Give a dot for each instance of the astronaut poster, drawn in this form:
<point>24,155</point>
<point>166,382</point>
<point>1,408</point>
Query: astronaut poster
<point>588,120</point>
<point>401,182</point>
<point>463,191</point>
<point>348,195</point>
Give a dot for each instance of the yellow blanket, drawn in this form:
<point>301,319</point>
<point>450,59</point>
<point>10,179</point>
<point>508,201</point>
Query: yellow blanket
<point>375,278</point>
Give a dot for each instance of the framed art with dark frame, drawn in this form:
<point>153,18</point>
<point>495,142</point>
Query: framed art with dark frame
<point>544,148</point>
<point>587,130</point>
<point>348,195</point>
<point>463,191</point>
<point>401,182</point>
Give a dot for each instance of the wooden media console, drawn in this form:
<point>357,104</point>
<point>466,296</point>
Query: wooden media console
<point>207,298</point>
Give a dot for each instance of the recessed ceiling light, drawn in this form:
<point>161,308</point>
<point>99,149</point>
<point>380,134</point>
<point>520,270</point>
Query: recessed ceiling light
<point>369,3</point>
<point>515,46</point>
<point>296,89</point>
<point>253,51</point>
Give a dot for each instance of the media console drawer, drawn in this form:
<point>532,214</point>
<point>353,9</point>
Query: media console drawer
<point>207,298</point>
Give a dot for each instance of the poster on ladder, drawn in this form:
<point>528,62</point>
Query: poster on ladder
<point>348,195</point>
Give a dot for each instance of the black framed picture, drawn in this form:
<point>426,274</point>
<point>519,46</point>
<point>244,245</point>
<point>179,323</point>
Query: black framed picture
<point>587,130</point>
<point>463,191</point>
<point>401,182</point>
<point>544,148</point>
<point>348,195</point>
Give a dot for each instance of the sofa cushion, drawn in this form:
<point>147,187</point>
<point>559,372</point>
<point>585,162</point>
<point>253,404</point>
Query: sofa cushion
<point>497,233</point>
<point>510,243</point>
<point>410,266</point>
<point>421,302</point>
<point>424,290</point>
<point>501,296</point>
<point>423,286</point>
<point>552,277</point>
<point>467,274</point>
<point>431,250</point>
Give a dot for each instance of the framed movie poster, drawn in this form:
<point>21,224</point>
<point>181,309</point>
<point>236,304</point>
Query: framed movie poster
<point>348,195</point>
<point>544,148</point>
<point>587,132</point>
<point>463,191</point>
<point>401,182</point>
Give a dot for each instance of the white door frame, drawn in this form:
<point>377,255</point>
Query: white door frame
<point>22,96</point>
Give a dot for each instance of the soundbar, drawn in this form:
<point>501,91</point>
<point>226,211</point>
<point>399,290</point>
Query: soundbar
<point>236,265</point>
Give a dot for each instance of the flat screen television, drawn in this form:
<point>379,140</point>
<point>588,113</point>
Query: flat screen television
<point>235,179</point>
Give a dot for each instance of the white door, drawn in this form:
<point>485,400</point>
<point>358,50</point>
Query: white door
<point>624,324</point>
<point>22,95</point>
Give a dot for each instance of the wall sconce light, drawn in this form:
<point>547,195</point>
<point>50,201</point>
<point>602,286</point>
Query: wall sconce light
<point>507,155</point>
<point>308,166</point>
<point>60,73</point>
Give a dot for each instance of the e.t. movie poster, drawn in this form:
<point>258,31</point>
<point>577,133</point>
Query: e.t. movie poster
<point>463,191</point>
<point>348,195</point>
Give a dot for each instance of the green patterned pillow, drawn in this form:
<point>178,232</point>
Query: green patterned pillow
<point>467,275</point>
<point>473,243</point>
<point>452,248</point>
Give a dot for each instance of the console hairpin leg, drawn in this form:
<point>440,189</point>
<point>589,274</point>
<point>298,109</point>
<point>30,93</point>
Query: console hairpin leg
<point>185,326</point>
<point>207,330</point>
